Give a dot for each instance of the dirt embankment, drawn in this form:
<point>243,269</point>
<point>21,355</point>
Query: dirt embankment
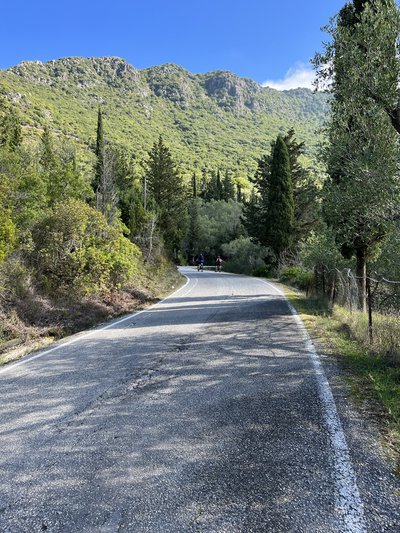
<point>35,321</point>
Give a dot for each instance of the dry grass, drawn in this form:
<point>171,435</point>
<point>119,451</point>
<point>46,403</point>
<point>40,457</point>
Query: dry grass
<point>29,321</point>
<point>386,332</point>
<point>373,370</point>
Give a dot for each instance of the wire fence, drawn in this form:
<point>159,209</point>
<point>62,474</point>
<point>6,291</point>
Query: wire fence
<point>343,287</point>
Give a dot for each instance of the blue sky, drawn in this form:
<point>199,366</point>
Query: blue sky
<point>260,39</point>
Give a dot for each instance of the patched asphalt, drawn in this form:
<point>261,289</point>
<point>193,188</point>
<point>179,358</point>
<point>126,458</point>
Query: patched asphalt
<point>201,414</point>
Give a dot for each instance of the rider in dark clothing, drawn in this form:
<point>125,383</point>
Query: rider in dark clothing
<point>200,261</point>
<point>218,264</point>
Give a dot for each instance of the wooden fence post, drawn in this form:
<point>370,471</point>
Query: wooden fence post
<point>370,325</point>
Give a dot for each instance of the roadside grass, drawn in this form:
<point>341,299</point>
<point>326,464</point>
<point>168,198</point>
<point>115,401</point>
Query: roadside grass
<point>373,372</point>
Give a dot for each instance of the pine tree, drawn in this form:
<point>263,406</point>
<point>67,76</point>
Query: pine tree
<point>280,214</point>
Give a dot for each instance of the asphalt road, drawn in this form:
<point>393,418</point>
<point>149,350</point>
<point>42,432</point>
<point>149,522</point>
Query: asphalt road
<point>209,412</point>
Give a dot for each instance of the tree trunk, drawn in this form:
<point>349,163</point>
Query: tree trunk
<point>394,115</point>
<point>361,273</point>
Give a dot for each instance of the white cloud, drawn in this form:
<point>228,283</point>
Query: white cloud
<point>298,76</point>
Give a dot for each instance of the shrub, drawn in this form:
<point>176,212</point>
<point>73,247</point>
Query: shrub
<point>7,236</point>
<point>297,276</point>
<point>261,272</point>
<point>74,248</point>
<point>321,249</point>
<point>244,256</point>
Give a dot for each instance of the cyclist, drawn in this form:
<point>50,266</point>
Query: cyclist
<point>218,264</point>
<point>200,262</point>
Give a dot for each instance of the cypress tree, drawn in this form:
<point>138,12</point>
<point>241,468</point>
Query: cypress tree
<point>194,230</point>
<point>253,218</point>
<point>239,197</point>
<point>280,214</point>
<point>219,188</point>
<point>213,189</point>
<point>194,185</point>
<point>99,151</point>
<point>228,187</point>
<point>304,189</point>
<point>47,158</point>
<point>256,209</point>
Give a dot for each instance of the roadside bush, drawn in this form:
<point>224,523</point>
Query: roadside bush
<point>321,249</point>
<point>7,226</point>
<point>296,276</point>
<point>74,248</point>
<point>244,256</point>
<point>261,272</point>
<point>7,236</point>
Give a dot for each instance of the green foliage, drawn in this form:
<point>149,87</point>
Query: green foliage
<point>320,249</point>
<point>194,113</point>
<point>228,187</point>
<point>280,213</point>
<point>10,125</point>
<point>244,256</point>
<point>168,194</point>
<point>75,249</point>
<point>7,234</point>
<point>194,229</point>
<point>387,261</point>
<point>214,189</point>
<point>305,189</point>
<point>362,195</point>
<point>296,276</point>
<point>304,192</point>
<point>99,151</point>
<point>219,223</point>
<point>7,226</point>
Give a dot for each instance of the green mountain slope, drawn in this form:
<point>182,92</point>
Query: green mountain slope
<point>213,119</point>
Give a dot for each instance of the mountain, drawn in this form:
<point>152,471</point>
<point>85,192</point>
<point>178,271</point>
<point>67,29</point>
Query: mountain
<point>213,119</point>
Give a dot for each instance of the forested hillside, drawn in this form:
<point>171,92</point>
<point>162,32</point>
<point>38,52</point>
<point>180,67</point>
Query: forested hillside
<point>211,120</point>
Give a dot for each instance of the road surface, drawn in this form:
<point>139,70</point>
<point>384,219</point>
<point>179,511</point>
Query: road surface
<point>209,412</point>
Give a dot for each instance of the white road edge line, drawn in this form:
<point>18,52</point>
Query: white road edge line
<point>11,366</point>
<point>347,497</point>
